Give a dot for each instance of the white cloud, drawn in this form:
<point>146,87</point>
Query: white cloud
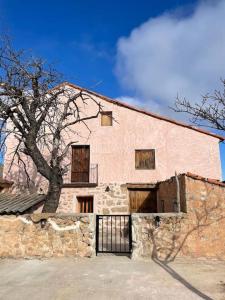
<point>169,55</point>
<point>132,101</point>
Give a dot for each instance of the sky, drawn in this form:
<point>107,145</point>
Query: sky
<point>145,52</point>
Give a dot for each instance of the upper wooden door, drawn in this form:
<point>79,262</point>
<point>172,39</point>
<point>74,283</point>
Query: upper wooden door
<point>80,163</point>
<point>143,201</point>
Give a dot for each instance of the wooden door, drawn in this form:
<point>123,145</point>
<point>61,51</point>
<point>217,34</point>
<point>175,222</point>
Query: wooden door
<point>80,164</point>
<point>143,200</point>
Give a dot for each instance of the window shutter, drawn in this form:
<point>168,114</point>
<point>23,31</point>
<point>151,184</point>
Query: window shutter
<point>145,159</point>
<point>106,118</point>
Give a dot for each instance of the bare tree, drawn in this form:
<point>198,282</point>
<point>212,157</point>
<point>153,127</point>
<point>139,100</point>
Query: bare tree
<point>39,113</point>
<point>210,112</point>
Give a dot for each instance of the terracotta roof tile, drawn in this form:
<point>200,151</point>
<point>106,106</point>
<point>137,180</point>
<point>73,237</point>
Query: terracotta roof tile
<point>209,180</point>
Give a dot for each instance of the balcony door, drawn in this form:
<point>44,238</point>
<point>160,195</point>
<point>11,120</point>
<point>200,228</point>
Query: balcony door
<point>80,163</point>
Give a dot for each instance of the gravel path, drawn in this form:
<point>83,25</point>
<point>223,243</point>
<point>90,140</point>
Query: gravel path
<point>110,277</point>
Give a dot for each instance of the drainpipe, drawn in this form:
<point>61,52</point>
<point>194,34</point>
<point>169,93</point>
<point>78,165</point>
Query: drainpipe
<point>178,192</point>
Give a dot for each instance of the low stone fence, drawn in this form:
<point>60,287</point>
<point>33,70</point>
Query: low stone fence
<point>170,235</point>
<point>163,236</point>
<point>47,235</point>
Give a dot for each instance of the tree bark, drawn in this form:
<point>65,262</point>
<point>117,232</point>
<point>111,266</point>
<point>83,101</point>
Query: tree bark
<point>53,195</point>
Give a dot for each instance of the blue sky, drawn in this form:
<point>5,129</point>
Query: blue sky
<point>80,36</point>
<point>106,45</point>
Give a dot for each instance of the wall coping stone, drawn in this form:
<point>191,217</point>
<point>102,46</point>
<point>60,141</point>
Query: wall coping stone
<point>60,214</point>
<point>44,216</point>
<point>161,215</point>
<point>64,215</point>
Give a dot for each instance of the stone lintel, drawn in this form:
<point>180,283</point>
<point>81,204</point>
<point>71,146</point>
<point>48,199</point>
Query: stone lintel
<point>141,185</point>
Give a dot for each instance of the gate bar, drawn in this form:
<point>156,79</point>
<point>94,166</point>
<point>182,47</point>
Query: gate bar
<point>127,231</point>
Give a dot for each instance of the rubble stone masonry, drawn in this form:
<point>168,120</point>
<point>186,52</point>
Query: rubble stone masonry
<point>109,198</point>
<point>199,233</point>
<point>47,235</point>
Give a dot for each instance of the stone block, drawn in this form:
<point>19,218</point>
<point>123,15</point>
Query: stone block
<point>120,209</point>
<point>105,211</point>
<point>109,203</point>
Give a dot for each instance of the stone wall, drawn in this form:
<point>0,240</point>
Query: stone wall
<point>154,240</point>
<point>47,235</point>
<point>113,201</point>
<point>177,236</point>
<point>197,233</point>
<point>164,236</point>
<point>167,195</point>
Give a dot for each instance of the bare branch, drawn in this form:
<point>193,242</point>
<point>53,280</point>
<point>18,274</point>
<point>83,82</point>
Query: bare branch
<point>210,112</point>
<point>39,113</point>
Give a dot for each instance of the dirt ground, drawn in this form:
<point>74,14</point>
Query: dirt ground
<point>110,277</point>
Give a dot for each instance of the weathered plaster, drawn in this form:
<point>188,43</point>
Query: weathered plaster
<point>177,148</point>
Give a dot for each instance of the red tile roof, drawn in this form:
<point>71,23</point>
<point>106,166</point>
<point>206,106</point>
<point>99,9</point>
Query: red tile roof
<point>197,177</point>
<point>119,103</point>
<point>209,180</point>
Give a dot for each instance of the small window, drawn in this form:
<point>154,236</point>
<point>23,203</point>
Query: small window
<point>106,118</point>
<point>85,204</point>
<point>145,159</point>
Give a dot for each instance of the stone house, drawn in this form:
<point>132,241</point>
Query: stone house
<point>117,168</point>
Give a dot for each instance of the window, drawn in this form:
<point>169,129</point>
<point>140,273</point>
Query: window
<point>106,118</point>
<point>145,159</point>
<point>85,204</point>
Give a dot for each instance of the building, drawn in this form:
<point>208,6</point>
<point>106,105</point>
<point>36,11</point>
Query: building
<point>116,167</point>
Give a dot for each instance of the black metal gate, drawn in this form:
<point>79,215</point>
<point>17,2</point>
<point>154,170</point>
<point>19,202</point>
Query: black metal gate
<point>113,234</point>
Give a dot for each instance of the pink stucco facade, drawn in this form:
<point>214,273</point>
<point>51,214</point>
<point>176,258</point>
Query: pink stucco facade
<point>177,149</point>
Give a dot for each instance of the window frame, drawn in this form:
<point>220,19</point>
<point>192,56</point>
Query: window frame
<point>143,168</point>
<point>108,113</point>
<point>82,199</point>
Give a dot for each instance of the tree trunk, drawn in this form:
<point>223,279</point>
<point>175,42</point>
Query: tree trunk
<point>53,195</point>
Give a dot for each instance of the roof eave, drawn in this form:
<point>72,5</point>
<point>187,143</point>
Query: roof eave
<point>128,106</point>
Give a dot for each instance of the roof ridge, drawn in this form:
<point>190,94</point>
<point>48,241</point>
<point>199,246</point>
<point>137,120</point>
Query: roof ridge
<point>154,115</point>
